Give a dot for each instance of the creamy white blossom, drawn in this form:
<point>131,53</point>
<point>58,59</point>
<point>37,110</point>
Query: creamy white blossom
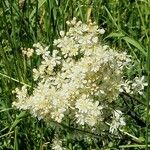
<point>137,85</point>
<point>80,79</point>
<point>87,111</point>
<point>27,51</point>
<point>117,121</point>
<point>57,144</point>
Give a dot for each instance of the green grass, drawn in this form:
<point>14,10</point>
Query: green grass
<point>127,25</point>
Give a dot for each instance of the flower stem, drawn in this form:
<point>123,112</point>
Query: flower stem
<point>89,10</point>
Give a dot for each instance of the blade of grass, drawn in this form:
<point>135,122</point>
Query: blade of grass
<point>128,40</point>
<point>111,17</point>
<point>16,139</point>
<point>40,4</point>
<point>148,99</point>
<point>6,109</point>
<point>7,134</point>
<point>133,146</point>
<point>18,119</point>
<point>142,20</point>
<point>14,80</point>
<point>135,44</point>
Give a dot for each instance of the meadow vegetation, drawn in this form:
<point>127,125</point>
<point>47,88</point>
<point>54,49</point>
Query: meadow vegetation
<point>27,27</point>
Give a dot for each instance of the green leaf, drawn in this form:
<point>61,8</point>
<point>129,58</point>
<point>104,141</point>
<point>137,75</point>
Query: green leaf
<point>40,4</point>
<point>142,139</point>
<point>18,119</point>
<point>119,35</point>
<point>129,40</point>
<point>135,44</point>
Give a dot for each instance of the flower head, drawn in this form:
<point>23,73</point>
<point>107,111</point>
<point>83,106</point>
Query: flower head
<point>79,79</point>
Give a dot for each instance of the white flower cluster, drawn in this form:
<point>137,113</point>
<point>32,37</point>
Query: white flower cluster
<point>57,144</point>
<point>137,85</point>
<point>118,121</point>
<point>27,52</point>
<point>79,79</point>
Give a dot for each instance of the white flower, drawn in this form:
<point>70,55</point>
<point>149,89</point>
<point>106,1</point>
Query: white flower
<point>28,52</point>
<point>117,121</point>
<point>101,31</point>
<point>95,39</point>
<point>87,111</point>
<point>77,80</point>
<point>84,28</point>
<point>62,33</point>
<point>73,22</point>
<point>139,84</point>
<point>126,86</point>
<point>57,144</point>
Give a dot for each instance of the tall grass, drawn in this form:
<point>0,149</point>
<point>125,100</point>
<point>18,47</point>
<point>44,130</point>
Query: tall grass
<point>127,25</point>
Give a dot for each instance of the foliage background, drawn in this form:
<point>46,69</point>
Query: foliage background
<point>24,22</point>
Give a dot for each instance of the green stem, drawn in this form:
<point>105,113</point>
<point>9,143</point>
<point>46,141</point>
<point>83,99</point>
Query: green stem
<point>89,10</point>
<point>6,134</point>
<point>133,145</point>
<point>4,75</point>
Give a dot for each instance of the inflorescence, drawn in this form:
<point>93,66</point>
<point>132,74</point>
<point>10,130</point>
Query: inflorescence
<point>79,80</point>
